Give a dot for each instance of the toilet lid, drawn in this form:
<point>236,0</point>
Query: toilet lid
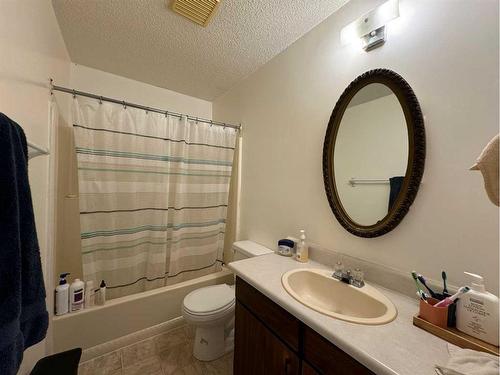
<point>209,298</point>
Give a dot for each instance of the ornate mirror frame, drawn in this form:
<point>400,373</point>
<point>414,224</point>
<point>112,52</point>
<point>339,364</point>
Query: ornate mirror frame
<point>416,152</point>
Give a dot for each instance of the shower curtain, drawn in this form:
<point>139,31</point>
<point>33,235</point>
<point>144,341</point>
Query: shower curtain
<point>153,193</point>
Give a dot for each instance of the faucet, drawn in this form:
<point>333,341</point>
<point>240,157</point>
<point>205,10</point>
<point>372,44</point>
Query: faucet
<point>346,276</point>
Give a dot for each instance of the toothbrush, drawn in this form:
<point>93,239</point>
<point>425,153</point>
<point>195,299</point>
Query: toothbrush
<point>443,275</point>
<point>424,283</point>
<point>420,292</point>
<point>449,300</point>
<point>421,296</point>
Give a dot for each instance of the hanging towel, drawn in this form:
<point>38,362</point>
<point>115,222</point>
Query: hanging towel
<point>487,163</point>
<point>395,187</point>
<point>23,313</point>
<point>469,362</point>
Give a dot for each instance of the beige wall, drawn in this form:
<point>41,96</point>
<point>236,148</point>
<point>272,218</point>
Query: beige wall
<point>32,51</point>
<point>448,52</point>
<point>106,84</point>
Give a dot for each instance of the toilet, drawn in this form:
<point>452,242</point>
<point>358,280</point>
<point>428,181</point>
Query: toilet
<point>211,310</point>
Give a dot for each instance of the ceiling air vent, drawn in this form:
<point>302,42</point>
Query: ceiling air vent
<point>199,11</point>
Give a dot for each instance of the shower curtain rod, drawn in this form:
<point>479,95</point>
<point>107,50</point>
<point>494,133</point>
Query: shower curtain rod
<point>133,105</point>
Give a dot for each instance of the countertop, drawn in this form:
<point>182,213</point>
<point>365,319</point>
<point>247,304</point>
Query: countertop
<point>396,348</point>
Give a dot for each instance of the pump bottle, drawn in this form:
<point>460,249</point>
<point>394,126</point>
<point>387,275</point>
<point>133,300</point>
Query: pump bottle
<point>62,295</point>
<point>477,312</point>
<point>302,248</point>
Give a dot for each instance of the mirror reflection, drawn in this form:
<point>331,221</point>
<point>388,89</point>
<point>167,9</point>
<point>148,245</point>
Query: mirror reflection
<point>371,154</point>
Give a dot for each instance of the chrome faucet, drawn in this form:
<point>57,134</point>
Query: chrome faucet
<point>346,276</point>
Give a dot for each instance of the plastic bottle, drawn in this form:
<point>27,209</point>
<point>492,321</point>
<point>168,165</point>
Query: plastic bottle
<point>302,248</point>
<point>76,295</point>
<point>477,312</point>
<point>101,294</point>
<point>62,295</point>
<point>89,294</point>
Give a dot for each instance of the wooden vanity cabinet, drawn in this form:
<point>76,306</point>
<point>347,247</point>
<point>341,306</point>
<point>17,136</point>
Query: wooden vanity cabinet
<point>269,340</point>
<point>259,350</point>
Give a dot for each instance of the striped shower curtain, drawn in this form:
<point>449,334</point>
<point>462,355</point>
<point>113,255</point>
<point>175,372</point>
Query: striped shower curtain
<point>153,194</point>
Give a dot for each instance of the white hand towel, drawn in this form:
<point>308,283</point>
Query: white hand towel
<point>487,163</point>
<point>469,362</point>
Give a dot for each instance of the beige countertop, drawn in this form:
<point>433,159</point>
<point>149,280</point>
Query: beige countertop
<point>394,348</point>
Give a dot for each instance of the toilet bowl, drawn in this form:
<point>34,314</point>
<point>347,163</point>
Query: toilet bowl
<point>211,310</point>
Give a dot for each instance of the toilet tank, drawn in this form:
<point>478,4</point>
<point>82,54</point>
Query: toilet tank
<point>248,249</point>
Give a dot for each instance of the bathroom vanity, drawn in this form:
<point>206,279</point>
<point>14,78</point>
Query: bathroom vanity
<point>285,344</point>
<point>277,334</point>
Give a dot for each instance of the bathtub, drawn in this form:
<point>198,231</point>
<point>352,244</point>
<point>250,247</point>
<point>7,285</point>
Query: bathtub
<point>122,317</point>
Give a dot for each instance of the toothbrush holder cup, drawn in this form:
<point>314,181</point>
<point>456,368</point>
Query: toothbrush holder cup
<point>435,315</point>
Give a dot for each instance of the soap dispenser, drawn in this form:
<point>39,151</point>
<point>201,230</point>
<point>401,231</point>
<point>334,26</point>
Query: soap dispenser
<point>302,248</point>
<point>62,295</point>
<point>477,312</point>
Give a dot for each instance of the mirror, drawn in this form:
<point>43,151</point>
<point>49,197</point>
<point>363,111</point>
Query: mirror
<point>374,153</point>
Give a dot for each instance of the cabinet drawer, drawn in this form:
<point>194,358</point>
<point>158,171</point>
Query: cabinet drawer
<point>327,358</point>
<point>278,320</point>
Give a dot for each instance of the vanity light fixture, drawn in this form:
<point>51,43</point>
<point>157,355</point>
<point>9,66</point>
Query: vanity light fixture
<point>370,27</point>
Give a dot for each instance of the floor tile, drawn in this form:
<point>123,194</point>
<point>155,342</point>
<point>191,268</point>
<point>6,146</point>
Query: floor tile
<point>167,354</point>
<point>221,366</point>
<point>86,368</point>
<point>138,352</point>
<point>107,364</point>
<point>170,339</point>
<point>191,369</point>
<point>177,357</point>
<point>149,366</point>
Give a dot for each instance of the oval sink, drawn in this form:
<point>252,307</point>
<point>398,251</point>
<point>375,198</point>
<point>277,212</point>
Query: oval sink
<point>317,289</point>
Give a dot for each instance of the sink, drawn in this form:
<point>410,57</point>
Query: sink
<point>317,289</point>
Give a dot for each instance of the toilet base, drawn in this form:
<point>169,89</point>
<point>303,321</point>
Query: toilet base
<point>212,342</point>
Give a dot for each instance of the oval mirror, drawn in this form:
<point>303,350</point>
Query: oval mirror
<point>374,153</point>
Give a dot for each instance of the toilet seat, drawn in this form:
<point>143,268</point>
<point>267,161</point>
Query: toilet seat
<point>210,301</point>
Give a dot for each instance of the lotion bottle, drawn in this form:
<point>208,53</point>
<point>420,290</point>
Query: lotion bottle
<point>477,312</point>
<point>76,295</point>
<point>302,248</point>
<point>62,295</point>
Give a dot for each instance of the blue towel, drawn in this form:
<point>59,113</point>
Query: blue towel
<point>23,313</point>
<point>395,183</point>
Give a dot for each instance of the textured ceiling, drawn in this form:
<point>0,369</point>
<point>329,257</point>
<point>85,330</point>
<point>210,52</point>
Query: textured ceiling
<point>146,41</point>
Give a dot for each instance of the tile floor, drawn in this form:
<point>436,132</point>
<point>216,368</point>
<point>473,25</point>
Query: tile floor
<point>170,353</point>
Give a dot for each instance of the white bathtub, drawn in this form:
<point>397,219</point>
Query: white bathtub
<point>122,316</point>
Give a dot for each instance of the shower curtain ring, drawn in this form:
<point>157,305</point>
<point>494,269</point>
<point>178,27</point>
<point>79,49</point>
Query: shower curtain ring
<point>74,94</point>
<point>124,104</point>
<point>100,100</point>
<point>211,123</point>
<point>166,113</point>
<point>196,120</point>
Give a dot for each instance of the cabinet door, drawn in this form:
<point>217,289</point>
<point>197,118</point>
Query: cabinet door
<point>258,351</point>
<point>308,370</point>
<point>327,358</point>
<point>278,320</point>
